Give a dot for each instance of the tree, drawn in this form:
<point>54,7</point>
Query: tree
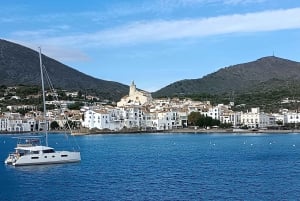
<point>49,98</point>
<point>75,106</point>
<point>62,95</point>
<point>71,125</point>
<point>193,118</point>
<point>22,111</point>
<point>79,95</point>
<point>54,125</point>
<point>197,119</point>
<point>225,125</point>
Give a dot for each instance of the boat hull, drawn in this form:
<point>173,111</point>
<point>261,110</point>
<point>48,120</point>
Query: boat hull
<point>47,158</point>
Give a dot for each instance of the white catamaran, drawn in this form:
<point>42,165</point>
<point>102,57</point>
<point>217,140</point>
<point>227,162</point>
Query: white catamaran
<point>30,151</point>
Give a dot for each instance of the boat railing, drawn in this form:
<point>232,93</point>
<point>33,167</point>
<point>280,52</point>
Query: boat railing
<point>25,145</point>
<point>28,142</point>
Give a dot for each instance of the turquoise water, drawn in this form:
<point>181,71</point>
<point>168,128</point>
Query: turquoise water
<point>162,167</point>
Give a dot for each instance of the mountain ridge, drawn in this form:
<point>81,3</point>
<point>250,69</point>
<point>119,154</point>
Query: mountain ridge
<point>240,78</point>
<point>20,65</point>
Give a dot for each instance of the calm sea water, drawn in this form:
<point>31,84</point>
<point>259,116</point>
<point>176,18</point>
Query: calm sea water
<point>162,167</point>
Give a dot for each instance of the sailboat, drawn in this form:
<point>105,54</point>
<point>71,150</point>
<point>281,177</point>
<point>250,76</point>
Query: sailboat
<point>30,151</point>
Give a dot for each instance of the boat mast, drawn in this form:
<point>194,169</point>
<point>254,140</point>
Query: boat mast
<point>44,97</point>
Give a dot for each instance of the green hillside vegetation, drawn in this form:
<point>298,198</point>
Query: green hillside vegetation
<point>19,65</point>
<point>268,101</point>
<point>267,72</point>
<point>32,95</point>
<point>263,83</point>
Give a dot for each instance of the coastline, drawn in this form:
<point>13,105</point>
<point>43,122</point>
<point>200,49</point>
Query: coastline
<point>174,131</point>
<point>192,131</point>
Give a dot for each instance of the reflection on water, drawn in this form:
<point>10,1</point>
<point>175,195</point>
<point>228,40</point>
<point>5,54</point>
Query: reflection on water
<point>36,168</point>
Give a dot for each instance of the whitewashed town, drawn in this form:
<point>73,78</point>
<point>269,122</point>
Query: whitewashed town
<point>139,111</point>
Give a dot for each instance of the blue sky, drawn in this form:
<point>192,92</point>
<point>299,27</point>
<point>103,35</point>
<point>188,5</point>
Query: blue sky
<point>154,42</point>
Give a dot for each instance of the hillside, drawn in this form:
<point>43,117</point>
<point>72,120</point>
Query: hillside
<point>20,65</point>
<point>264,74</point>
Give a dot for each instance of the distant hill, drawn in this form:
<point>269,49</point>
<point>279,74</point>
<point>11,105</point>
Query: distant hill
<point>20,65</point>
<point>267,73</point>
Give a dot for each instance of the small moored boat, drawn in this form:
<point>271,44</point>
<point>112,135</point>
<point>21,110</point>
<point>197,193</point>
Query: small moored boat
<point>29,151</point>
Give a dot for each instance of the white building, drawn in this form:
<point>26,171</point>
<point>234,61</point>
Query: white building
<point>279,118</point>
<point>3,124</point>
<point>182,119</point>
<point>12,122</point>
<point>133,116</point>
<point>164,120</point>
<point>21,107</point>
<point>291,118</point>
<point>20,125</point>
<point>215,112</point>
<point>231,117</point>
<point>103,119</point>
<point>257,119</point>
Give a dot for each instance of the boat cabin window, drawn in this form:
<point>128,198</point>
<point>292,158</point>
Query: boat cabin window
<point>35,152</point>
<point>64,155</point>
<point>48,151</point>
<point>22,152</point>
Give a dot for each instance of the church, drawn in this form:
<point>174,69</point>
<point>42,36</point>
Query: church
<point>135,97</point>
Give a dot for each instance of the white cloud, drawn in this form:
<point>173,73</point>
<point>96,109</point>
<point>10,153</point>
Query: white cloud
<point>65,54</point>
<point>202,2</point>
<point>236,2</point>
<point>163,30</point>
<point>145,32</point>
<point>57,51</point>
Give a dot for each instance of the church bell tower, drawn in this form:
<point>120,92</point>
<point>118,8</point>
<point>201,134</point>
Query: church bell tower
<point>132,89</point>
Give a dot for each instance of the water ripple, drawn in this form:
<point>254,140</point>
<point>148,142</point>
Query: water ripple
<point>163,167</point>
